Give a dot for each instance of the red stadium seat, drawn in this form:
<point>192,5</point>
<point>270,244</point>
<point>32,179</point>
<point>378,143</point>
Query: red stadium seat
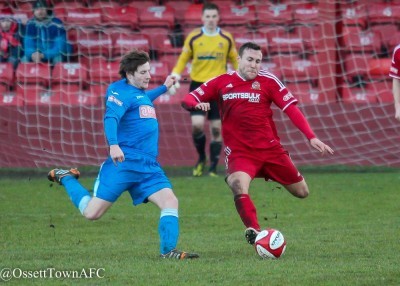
<point>10,99</point>
<point>304,92</point>
<point>125,42</point>
<point>256,37</point>
<point>295,69</point>
<point>356,65</point>
<point>274,14</point>
<point>159,71</point>
<point>192,16</point>
<point>98,90</point>
<point>306,14</point>
<point>125,16</point>
<point>355,94</point>
<point>83,17</point>
<point>157,16</point>
<point>6,74</point>
<point>103,5</point>
<point>386,32</point>
<point>379,13</point>
<point>37,95</point>
<point>285,42</point>
<point>379,68</point>
<point>365,41</point>
<point>160,40</point>
<point>93,43</point>
<point>354,14</point>
<point>104,72</point>
<point>69,73</point>
<point>60,9</point>
<point>179,7</point>
<point>33,74</point>
<point>383,90</point>
<point>238,15</point>
<point>71,97</point>
<point>312,36</point>
<point>140,5</point>
<point>22,11</point>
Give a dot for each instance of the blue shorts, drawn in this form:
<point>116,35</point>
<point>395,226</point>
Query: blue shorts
<point>139,175</point>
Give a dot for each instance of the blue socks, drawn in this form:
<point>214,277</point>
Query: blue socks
<point>76,192</point>
<point>168,230</point>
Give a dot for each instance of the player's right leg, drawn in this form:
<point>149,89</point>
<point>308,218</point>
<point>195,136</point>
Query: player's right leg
<point>239,183</point>
<point>199,140</point>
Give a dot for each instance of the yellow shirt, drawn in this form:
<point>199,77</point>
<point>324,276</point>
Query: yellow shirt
<point>209,54</point>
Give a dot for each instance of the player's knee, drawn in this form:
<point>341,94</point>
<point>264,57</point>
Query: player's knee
<point>197,130</point>
<point>216,132</point>
<point>302,192</point>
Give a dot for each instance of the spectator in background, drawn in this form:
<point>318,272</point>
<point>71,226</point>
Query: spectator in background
<point>209,49</point>
<point>10,45</point>
<point>395,74</point>
<point>45,37</point>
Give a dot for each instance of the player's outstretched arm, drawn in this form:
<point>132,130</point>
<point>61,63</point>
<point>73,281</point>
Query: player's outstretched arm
<point>321,146</point>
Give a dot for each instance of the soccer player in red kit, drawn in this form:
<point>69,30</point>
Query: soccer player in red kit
<point>253,147</point>
<point>395,74</point>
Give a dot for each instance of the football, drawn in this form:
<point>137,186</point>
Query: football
<point>270,243</point>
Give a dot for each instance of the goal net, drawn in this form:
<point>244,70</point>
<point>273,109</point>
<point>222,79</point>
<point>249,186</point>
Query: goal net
<point>334,56</point>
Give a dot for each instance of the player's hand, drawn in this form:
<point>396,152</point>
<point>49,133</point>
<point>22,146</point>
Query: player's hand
<point>169,81</point>
<point>176,77</point>
<point>321,146</point>
<point>204,106</point>
<point>116,154</point>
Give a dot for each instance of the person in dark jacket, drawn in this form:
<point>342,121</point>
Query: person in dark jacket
<point>45,37</point>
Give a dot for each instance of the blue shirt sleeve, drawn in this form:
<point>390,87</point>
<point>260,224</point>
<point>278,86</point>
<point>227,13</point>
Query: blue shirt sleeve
<point>156,92</point>
<point>110,130</point>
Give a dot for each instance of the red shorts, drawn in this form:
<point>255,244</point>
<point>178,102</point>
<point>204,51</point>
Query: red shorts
<point>273,164</point>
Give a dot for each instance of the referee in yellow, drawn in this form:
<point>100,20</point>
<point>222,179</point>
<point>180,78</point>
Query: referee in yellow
<point>209,48</point>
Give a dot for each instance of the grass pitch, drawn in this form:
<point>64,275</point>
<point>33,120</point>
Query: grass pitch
<point>345,233</point>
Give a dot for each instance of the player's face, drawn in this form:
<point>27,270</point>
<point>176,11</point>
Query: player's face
<point>210,19</point>
<point>40,13</point>
<point>141,77</point>
<point>250,64</point>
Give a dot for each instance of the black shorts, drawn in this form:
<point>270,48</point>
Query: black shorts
<point>213,113</point>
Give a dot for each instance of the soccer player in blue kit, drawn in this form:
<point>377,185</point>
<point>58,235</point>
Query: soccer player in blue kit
<point>131,129</point>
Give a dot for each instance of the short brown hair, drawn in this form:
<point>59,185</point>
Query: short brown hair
<point>131,61</point>
<point>250,46</point>
<point>210,6</point>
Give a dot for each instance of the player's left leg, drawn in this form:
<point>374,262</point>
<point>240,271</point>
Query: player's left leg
<point>168,227</point>
<point>215,146</point>
<point>299,189</point>
<point>216,137</point>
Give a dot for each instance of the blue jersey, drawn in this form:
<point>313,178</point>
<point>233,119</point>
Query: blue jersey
<point>130,119</point>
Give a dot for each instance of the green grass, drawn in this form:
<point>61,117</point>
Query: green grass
<point>345,233</point>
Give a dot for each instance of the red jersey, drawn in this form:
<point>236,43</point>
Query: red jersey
<point>395,68</point>
<point>245,108</point>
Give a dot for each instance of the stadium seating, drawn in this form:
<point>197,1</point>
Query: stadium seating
<point>383,91</point>
<point>306,14</point>
<point>272,67</point>
<point>103,71</point>
<point>192,17</point>
<point>69,74</point>
<point>124,42</point>
<point>120,16</point>
<point>78,97</point>
<point>362,42</point>
<point>6,75</point>
<point>37,95</point>
<point>256,37</point>
<point>387,32</point>
<point>238,15</point>
<point>274,14</point>
<point>305,92</point>
<point>92,43</point>
<point>358,94</point>
<point>83,17</point>
<point>157,16</point>
<point>33,74</point>
<point>379,13</point>
<point>354,15</point>
<point>60,9</point>
<point>10,99</point>
<point>179,7</point>
<point>172,99</point>
<point>159,71</point>
<point>296,69</point>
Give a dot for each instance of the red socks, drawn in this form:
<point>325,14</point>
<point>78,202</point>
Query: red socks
<point>247,211</point>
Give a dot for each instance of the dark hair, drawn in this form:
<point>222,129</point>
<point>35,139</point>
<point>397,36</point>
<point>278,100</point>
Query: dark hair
<point>131,61</point>
<point>210,6</point>
<point>250,46</point>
